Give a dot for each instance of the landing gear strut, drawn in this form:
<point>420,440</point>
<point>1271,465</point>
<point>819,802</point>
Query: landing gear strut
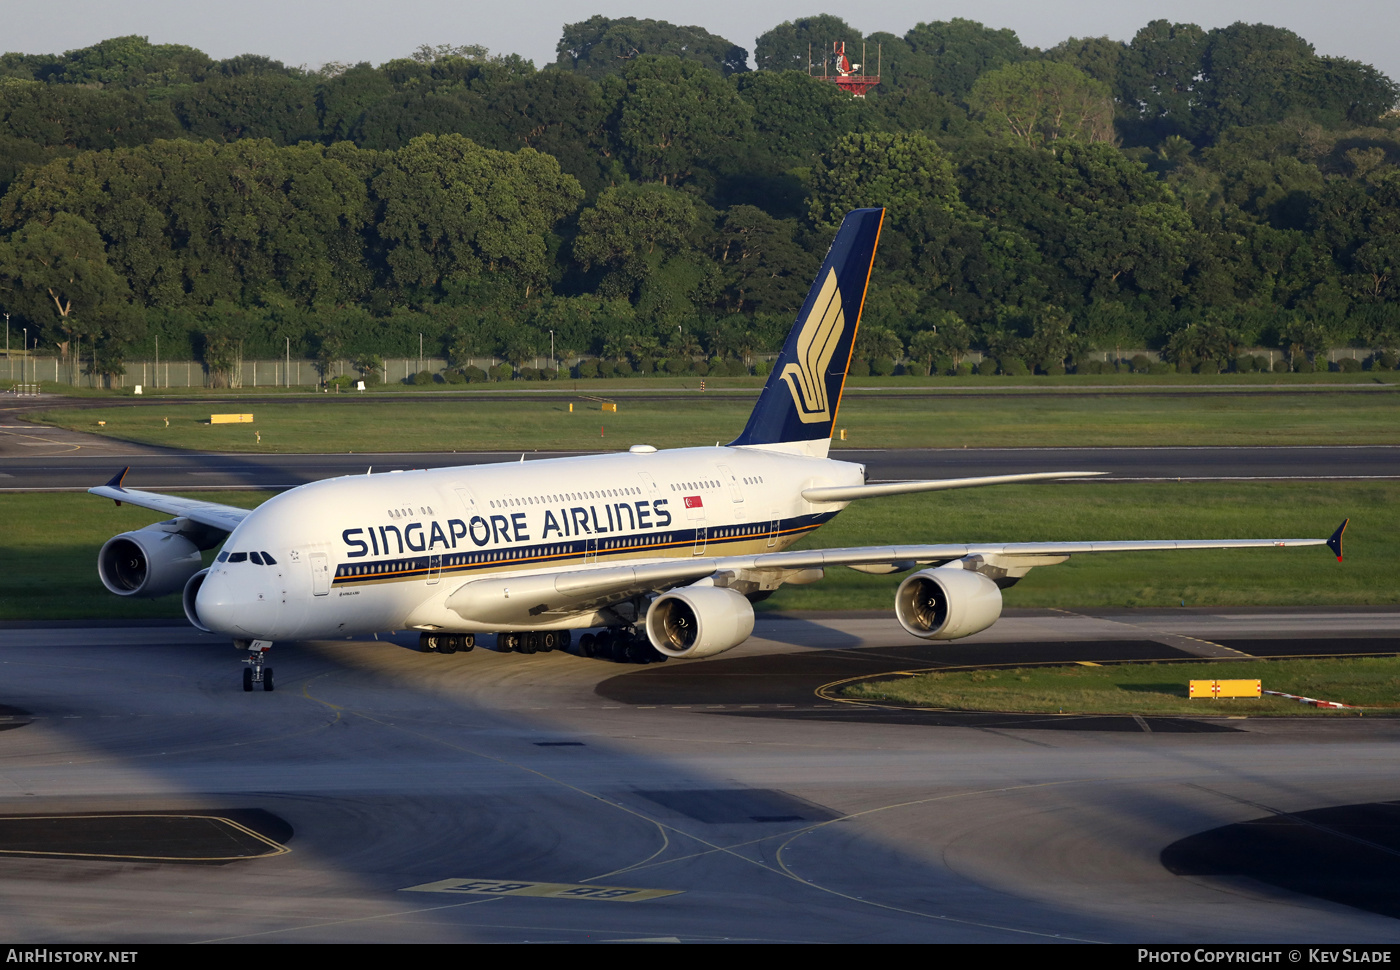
<point>256,672</point>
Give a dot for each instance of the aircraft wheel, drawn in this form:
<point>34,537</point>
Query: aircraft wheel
<point>566,637</point>
<point>468,642</point>
<point>247,678</point>
<point>587,645</point>
<point>604,645</point>
<point>428,642</point>
<point>549,641</point>
<point>447,644</point>
<point>267,678</point>
<point>529,642</point>
<point>507,642</point>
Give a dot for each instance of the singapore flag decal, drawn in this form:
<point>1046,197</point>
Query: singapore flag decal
<point>693,502</point>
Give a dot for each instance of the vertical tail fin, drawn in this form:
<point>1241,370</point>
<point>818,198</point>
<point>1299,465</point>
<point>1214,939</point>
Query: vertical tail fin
<point>798,406</point>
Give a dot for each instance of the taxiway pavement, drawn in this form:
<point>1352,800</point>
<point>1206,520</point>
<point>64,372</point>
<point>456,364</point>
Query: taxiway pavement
<point>425,797</point>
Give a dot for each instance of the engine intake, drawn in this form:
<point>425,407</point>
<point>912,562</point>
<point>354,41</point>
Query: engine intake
<point>152,561</point>
<point>947,603</point>
<point>699,621</point>
<point>189,597</point>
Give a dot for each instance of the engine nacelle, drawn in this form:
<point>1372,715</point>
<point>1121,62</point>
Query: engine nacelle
<point>699,621</point>
<point>947,603</point>
<point>152,561</point>
<point>188,598</point>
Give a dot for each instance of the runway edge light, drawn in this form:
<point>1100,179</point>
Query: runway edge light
<point>1335,543</point>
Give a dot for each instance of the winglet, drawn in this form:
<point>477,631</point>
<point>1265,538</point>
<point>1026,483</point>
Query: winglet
<point>117,479</point>
<point>1335,543</point>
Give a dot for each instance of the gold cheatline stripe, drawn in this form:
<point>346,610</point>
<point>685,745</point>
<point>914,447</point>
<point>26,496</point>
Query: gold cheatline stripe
<point>512,564</point>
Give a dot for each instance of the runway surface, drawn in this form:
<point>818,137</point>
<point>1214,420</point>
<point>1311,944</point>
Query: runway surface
<point>63,460</point>
<point>381,794</point>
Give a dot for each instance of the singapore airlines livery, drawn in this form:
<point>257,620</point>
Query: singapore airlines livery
<point>665,550</point>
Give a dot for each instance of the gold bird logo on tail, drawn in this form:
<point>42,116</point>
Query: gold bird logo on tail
<point>816,344</point>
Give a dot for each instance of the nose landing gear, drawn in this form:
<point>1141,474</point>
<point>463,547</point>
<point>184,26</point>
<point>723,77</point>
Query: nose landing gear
<point>256,672</point>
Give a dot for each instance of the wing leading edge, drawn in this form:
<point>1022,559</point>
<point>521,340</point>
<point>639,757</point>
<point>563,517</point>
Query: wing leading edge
<point>212,514</point>
<point>507,599</point>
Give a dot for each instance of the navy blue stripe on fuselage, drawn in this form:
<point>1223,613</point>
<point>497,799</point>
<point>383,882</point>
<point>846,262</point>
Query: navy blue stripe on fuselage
<point>572,552</point>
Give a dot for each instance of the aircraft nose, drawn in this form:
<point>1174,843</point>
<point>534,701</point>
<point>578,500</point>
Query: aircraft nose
<point>238,609</point>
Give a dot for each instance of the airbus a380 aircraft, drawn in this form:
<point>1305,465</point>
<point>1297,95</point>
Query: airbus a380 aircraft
<point>668,547</point>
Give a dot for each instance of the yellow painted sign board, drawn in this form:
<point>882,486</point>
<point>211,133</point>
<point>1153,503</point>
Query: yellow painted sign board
<point>609,406</point>
<point>1225,688</point>
<point>230,419</point>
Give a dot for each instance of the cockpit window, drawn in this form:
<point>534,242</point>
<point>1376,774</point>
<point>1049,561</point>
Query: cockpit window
<point>221,557</point>
<point>267,558</point>
<point>237,556</point>
<point>256,557</point>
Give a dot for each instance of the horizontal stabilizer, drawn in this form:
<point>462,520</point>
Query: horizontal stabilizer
<point>849,493</point>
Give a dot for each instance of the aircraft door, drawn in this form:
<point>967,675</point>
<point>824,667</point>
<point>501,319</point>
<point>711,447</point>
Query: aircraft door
<point>695,515</point>
<point>774,526</point>
<point>434,568</point>
<point>590,550</point>
<point>320,573</point>
<point>736,494</point>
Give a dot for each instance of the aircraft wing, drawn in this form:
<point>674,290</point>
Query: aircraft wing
<point>504,599</point>
<point>848,493</point>
<point>212,514</point>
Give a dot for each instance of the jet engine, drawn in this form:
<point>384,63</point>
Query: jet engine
<point>149,562</point>
<point>947,603</point>
<point>698,621</point>
<point>188,598</point>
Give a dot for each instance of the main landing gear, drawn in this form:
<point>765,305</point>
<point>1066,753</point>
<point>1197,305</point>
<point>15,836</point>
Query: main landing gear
<point>622,644</point>
<point>256,672</point>
<point>538,641</point>
<point>446,642</point>
<point>619,644</point>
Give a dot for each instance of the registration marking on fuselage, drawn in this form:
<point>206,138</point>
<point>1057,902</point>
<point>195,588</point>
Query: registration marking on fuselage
<point>551,890</point>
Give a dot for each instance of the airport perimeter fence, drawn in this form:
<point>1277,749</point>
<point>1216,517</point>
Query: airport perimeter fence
<point>288,373</point>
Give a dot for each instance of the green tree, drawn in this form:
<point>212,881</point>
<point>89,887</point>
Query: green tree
<point>189,223</point>
<point>903,173</point>
<point>131,61</point>
<point>56,276</point>
<point>251,106</point>
<point>765,270</point>
<point>600,46</point>
<point>796,118</point>
<point>1043,103</point>
<point>947,336</point>
<point>452,212</point>
<point>793,43</point>
<point>630,232</point>
<point>948,56</point>
<point>1162,74</point>
<point>673,116</point>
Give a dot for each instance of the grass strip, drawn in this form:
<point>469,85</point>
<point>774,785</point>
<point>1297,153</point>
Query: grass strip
<point>50,543</point>
<point>1151,689</point>
<point>484,423</point>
